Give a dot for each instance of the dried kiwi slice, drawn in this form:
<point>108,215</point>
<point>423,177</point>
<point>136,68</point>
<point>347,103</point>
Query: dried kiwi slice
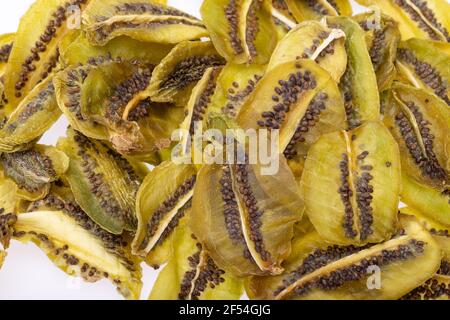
<point>426,19</point>
<point>246,219</point>
<point>6,44</point>
<point>174,78</point>
<point>34,170</point>
<point>301,100</point>
<point>382,37</point>
<point>77,245</point>
<point>420,121</point>
<point>316,9</point>
<point>235,85</point>
<point>142,20</point>
<point>313,40</point>
<point>283,19</point>
<point>160,205</point>
<point>8,208</point>
<point>191,274</point>
<point>104,183</point>
<point>351,183</point>
<point>319,270</point>
<point>437,287</point>
<point>75,48</point>
<point>32,118</point>
<point>35,51</point>
<point>359,83</point>
<point>424,64</point>
<point>242,31</point>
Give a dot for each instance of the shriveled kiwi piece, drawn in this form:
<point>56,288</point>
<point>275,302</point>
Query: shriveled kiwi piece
<point>437,287</point>
<point>6,44</point>
<point>35,51</point>
<point>75,48</point>
<point>198,107</point>
<point>191,273</point>
<point>319,270</point>
<point>242,31</point>
<point>243,218</point>
<point>77,245</point>
<point>359,83</point>
<point>160,205</point>
<point>313,40</point>
<point>351,183</point>
<point>425,19</point>
<point>235,85</point>
<point>382,37</point>
<point>316,9</point>
<point>283,19</point>
<point>174,78</point>
<point>104,183</point>
<point>32,118</point>
<point>142,20</point>
<point>8,209</point>
<point>34,170</point>
<point>301,100</point>
<point>424,64</point>
<point>156,123</point>
<point>420,122</point>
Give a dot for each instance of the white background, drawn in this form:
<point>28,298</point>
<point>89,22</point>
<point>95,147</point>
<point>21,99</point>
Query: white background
<point>27,272</point>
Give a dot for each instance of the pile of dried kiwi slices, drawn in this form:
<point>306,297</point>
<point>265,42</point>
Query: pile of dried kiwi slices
<point>361,102</point>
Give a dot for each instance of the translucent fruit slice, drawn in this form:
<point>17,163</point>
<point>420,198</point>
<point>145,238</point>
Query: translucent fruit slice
<point>141,20</point>
<point>313,40</point>
<point>351,184</point>
<point>301,100</point>
<point>35,52</point>
<point>242,31</point>
<point>322,271</point>
<point>425,19</point>
<point>6,44</point>
<point>77,245</point>
<point>191,274</point>
<point>31,119</point>
<point>243,218</point>
<point>104,183</point>
<point>317,9</point>
<point>359,83</point>
<point>174,78</point>
<point>424,64</point>
<point>163,200</point>
<point>382,38</point>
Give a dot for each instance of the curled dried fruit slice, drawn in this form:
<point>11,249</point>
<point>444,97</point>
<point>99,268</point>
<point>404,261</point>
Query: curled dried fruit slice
<point>104,184</point>
<point>382,37</point>
<point>313,40</point>
<point>191,274</point>
<point>283,19</point>
<point>433,225</point>
<point>351,183</point>
<point>8,209</point>
<point>235,85</point>
<point>246,219</point>
<point>6,44</point>
<point>160,205</point>
<point>35,52</point>
<point>316,9</point>
<point>142,20</point>
<point>77,245</point>
<point>32,118</point>
<point>34,170</point>
<point>426,19</point>
<point>420,121</point>
<point>75,48</point>
<point>301,100</point>
<point>198,107</point>
<point>242,31</point>
<point>359,83</point>
<point>174,78</point>
<point>424,64</point>
<point>319,270</point>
